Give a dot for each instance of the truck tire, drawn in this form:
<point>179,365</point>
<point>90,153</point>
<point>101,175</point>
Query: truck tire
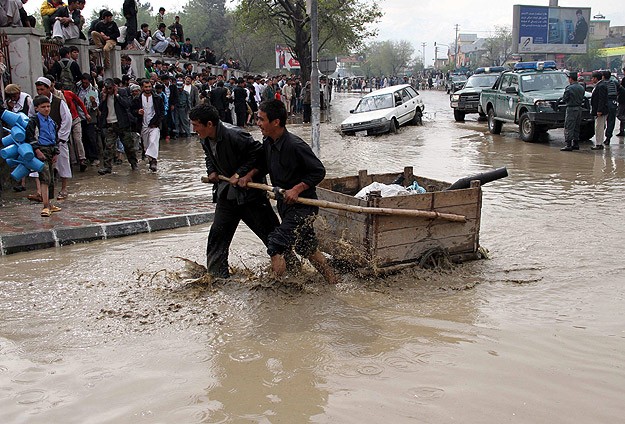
<point>459,115</point>
<point>494,126</point>
<point>587,131</point>
<point>528,129</point>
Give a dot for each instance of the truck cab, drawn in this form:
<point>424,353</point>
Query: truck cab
<point>529,95</point>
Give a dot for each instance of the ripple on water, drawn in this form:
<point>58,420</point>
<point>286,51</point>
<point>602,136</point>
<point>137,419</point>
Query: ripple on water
<point>245,355</point>
<point>204,413</point>
<point>29,375</point>
<point>29,397</point>
<point>424,394</point>
<point>370,369</point>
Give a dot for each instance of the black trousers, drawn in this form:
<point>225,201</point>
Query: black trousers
<point>258,216</point>
<point>296,230</point>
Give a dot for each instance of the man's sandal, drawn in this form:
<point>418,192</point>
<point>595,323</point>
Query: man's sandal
<point>45,212</point>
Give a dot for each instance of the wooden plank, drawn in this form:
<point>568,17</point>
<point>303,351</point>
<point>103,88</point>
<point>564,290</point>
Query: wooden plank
<point>334,196</point>
<point>414,201</point>
<point>457,197</point>
<point>417,234</point>
<point>387,223</point>
<point>413,251</point>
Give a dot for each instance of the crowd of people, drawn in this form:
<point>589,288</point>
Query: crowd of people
<point>607,103</point>
<point>103,122</point>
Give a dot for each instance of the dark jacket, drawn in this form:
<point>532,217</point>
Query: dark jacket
<point>599,99</point>
<point>237,152</point>
<point>173,95</point>
<point>122,109</point>
<point>289,160</point>
<point>219,98</point>
<point>573,95</point>
<point>109,29</point>
<point>74,67</point>
<point>159,110</point>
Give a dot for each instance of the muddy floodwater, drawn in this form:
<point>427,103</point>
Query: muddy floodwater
<point>105,332</point>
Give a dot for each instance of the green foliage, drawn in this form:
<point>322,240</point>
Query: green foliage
<point>589,61</point>
<point>343,24</point>
<point>206,23</point>
<point>498,47</point>
<point>387,57</point>
<point>254,49</point>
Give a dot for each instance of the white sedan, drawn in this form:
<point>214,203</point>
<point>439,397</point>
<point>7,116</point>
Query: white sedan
<point>385,110</point>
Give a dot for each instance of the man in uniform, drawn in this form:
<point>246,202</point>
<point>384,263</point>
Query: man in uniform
<point>231,152</point>
<point>293,166</point>
<point>573,98</point>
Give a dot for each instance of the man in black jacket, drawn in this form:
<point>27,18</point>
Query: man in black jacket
<point>219,99</point>
<point>129,10</point>
<point>66,20</point>
<point>599,107</point>
<point>293,166</point>
<point>233,153</point>
<point>105,35</point>
<point>114,120</point>
<point>151,108</point>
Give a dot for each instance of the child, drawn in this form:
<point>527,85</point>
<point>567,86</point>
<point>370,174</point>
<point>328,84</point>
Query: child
<point>41,134</point>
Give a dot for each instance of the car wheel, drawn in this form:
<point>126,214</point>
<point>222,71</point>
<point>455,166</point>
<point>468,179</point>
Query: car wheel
<point>459,115</point>
<point>417,119</point>
<point>528,129</point>
<point>494,126</point>
<point>587,132</point>
<point>394,126</point>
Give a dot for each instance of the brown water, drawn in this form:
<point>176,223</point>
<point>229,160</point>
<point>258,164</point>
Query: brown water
<point>102,333</point>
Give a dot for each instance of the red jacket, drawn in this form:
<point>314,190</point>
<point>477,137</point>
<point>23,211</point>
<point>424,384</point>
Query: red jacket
<point>72,101</point>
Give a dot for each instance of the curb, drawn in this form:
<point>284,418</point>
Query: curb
<point>24,242</point>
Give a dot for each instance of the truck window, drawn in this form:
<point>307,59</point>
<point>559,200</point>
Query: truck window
<point>505,82</point>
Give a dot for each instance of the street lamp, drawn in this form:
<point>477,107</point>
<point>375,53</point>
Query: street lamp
<point>436,52</point>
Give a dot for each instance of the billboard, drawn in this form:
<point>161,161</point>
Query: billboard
<point>284,58</point>
<point>542,29</point>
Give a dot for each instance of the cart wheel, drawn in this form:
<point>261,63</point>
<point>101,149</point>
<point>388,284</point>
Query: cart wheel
<point>435,258</point>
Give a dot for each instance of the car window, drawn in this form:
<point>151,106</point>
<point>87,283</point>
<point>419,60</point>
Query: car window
<point>397,97</point>
<point>505,82</point>
<point>367,104</point>
<point>481,81</point>
<point>514,82</point>
<point>405,96</point>
<point>412,92</point>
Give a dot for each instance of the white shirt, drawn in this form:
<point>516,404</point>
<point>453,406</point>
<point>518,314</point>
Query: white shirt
<point>147,103</point>
<point>110,103</point>
<point>66,120</point>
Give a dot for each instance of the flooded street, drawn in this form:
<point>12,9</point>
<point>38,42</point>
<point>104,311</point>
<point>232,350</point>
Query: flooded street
<point>104,332</point>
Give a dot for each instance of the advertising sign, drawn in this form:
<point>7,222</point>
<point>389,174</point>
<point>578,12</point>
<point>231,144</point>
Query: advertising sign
<point>284,58</point>
<point>541,29</point>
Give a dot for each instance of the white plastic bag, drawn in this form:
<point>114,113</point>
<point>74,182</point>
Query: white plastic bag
<point>387,190</point>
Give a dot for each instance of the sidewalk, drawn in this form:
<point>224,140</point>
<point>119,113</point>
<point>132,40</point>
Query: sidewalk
<point>120,204</point>
<point>22,229</point>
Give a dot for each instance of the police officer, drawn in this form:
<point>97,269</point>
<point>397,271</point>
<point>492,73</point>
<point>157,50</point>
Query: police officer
<point>614,90</point>
<point>573,98</point>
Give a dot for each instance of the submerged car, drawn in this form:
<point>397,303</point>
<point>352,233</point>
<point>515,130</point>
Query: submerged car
<point>384,111</point>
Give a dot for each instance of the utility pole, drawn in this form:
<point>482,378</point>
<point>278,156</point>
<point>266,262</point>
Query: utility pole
<point>423,47</point>
<point>435,56</point>
<point>314,78</point>
<point>456,55</point>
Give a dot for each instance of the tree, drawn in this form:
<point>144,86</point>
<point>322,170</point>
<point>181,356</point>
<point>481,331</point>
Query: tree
<point>498,47</point>
<point>255,50</point>
<point>343,24</point>
<point>205,22</point>
<point>388,57</point>
<point>588,61</point>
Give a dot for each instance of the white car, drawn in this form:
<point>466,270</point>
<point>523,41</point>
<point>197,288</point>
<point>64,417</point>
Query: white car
<point>385,110</point>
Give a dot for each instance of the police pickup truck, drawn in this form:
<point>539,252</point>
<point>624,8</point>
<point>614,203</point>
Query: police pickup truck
<point>529,96</point>
<point>467,99</point>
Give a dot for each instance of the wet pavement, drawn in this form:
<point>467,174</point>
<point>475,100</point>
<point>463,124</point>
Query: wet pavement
<point>120,204</point>
<point>112,332</point>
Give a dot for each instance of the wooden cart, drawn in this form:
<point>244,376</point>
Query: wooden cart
<point>367,240</point>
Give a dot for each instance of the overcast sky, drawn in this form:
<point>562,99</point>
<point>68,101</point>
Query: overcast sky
<point>425,21</point>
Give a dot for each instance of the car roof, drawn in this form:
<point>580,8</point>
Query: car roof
<point>387,90</point>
